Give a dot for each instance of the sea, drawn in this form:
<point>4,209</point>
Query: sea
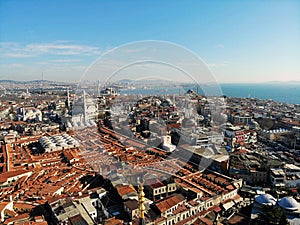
<point>280,92</point>
<point>287,93</point>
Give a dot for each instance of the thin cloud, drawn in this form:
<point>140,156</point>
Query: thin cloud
<point>219,46</point>
<point>16,55</point>
<point>17,50</point>
<point>11,66</point>
<point>65,60</point>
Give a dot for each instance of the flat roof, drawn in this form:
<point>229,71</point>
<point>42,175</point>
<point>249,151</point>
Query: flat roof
<point>292,167</point>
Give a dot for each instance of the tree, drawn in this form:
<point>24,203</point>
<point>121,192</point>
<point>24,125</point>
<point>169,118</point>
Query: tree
<point>283,220</point>
<point>270,215</point>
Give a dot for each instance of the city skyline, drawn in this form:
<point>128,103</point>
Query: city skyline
<point>240,41</point>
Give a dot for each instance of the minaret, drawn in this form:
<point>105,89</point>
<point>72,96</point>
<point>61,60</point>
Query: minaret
<point>84,107</point>
<point>141,203</point>
<point>23,113</point>
<point>98,88</point>
<point>68,99</point>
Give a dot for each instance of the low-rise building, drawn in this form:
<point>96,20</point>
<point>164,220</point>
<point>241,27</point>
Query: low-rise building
<point>156,189</point>
<point>292,178</point>
<point>9,177</point>
<point>169,204</point>
<point>277,178</point>
<point>131,206</point>
<point>127,191</point>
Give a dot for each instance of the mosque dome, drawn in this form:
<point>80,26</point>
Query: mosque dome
<point>289,203</point>
<point>265,199</point>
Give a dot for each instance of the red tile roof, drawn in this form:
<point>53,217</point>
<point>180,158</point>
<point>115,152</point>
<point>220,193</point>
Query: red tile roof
<point>169,202</point>
<point>125,189</point>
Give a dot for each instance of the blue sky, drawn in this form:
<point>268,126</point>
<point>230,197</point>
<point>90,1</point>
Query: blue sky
<point>241,41</point>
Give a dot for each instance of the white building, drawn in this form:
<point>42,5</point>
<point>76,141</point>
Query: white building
<point>31,114</point>
<point>86,204</point>
<point>277,177</point>
<point>167,145</point>
<point>84,112</point>
<point>292,178</point>
<point>58,142</point>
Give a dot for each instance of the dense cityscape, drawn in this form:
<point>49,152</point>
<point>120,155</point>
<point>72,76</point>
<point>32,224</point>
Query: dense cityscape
<point>72,156</point>
<point>153,112</point>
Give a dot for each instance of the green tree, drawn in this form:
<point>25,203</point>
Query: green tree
<point>271,215</point>
<point>283,219</point>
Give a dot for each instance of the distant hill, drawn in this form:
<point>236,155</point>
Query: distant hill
<point>124,81</point>
<point>10,81</point>
<point>32,82</point>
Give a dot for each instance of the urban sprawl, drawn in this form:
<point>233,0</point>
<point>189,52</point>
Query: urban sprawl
<point>70,155</point>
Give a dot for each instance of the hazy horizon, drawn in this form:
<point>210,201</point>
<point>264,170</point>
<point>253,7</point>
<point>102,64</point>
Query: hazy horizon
<point>292,82</point>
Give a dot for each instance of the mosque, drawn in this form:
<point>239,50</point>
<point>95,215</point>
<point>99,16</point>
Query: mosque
<point>83,112</point>
<point>30,114</point>
<point>288,204</point>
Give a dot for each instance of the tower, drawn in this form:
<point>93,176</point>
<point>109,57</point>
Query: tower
<point>42,83</point>
<point>141,204</point>
<point>24,114</point>
<point>84,107</point>
<point>98,89</point>
<point>68,99</point>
